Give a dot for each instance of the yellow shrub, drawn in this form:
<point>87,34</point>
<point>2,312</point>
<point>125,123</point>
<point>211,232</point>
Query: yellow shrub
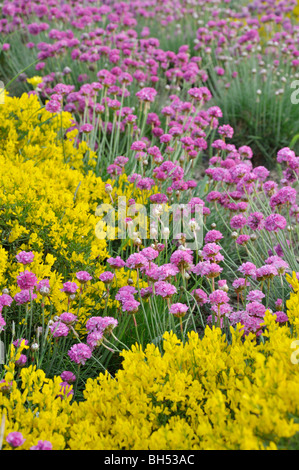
<point>204,394</point>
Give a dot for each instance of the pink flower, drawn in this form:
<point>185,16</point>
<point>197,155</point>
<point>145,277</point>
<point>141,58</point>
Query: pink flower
<point>182,259</point>
<point>116,263</point>
<point>21,362</point>
<point>2,323</point>
<point>205,268</point>
<point>59,329</point>
<point>255,296</point>
<point>238,221</point>
<point>210,250</point>
<point>281,317</point>
<point>256,309</point>
<point>125,293</point>
<point>178,310</point>
<point>136,260</point>
<point>68,318</point>
<point>25,257</point>
<point>226,131</point>
<point>42,445</point>
<point>286,195</point>
<point>15,439</point>
<point>68,377</point>
<point>247,269</point>
<point>213,236</point>
<point>266,272</point>
<point>95,339</point>
<point>243,240</point>
<point>24,297</point>
<point>167,271</point>
<point>138,146</point>
<point>5,300</point>
<point>285,154</point>
<point>150,253</point>
<point>53,106</point>
<point>83,277</point>
<point>108,324</point>
<point>130,306</point>
<point>69,288</point>
<point>79,353</point>
<point>256,221</point>
<point>218,297</point>
<point>26,280</point>
<point>165,289</point>
<point>279,304</point>
<point>106,277</point>
<point>43,287</point>
<point>275,222</point>
<point>146,94</point>
<point>200,296</point>
<point>240,284</point>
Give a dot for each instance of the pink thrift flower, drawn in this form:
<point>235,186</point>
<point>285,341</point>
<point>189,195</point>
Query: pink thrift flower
<point>256,221</point>
<point>238,221</point>
<point>165,289</point>
<point>2,323</point>
<point>68,318</point>
<point>80,353</point>
<point>43,287</point>
<point>200,296</point>
<point>243,240</point>
<point>42,445</point>
<point>275,222</point>
<point>218,297</point>
<point>178,310</point>
<point>24,297</point>
<point>53,106</point>
<point>213,236</point>
<point>21,362</point>
<point>130,306</point>
<point>83,277</point>
<point>255,296</point>
<point>26,280</point>
<point>95,339</point>
<point>59,329</point>
<point>5,300</point>
<point>69,288</point>
<point>281,317</point>
<point>15,439</point>
<point>25,257</point>
<point>240,284</point>
<point>68,377</point>
<point>106,277</point>
<point>116,263</point>
<point>136,260</point>
<point>247,269</point>
<point>150,253</point>
<point>147,94</point>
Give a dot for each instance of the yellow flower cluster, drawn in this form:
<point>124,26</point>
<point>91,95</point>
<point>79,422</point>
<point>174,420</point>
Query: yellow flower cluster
<point>205,394</point>
<point>47,203</point>
<point>296,9</point>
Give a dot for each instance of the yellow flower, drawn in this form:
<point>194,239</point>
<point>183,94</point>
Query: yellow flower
<point>34,81</point>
